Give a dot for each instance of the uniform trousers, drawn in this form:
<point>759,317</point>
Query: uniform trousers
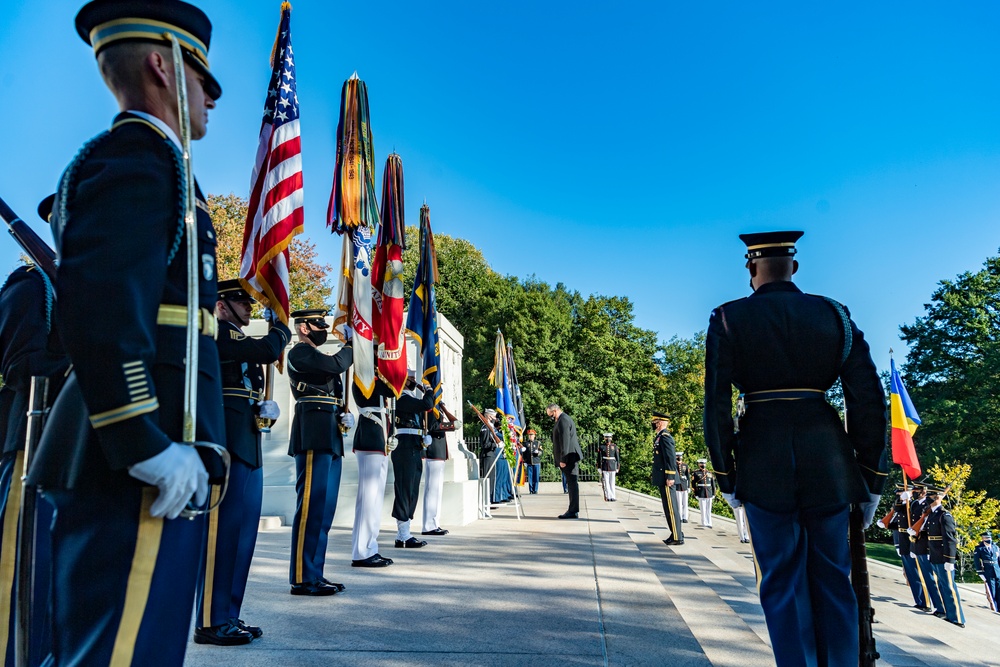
<point>608,480</point>
<point>682,502</point>
<point>671,511</point>
<point>705,505</point>
<point>805,585</point>
<point>373,467</point>
<point>232,536</point>
<point>992,589</point>
<point>317,488</point>
<point>11,467</point>
<point>913,579</point>
<point>407,468</point>
<point>949,593</point>
<point>433,487</point>
<point>534,472</point>
<point>124,583</point>
<point>930,581</point>
<point>741,522</point>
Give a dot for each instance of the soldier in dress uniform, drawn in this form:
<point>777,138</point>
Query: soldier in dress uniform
<point>608,459</point>
<point>942,543</point>
<point>792,463</point>
<point>232,530</point>
<point>407,459</point>
<point>703,482</point>
<point>373,441</point>
<point>683,486</point>
<point>898,526</point>
<point>985,557</point>
<point>920,552</point>
<point>29,347</point>
<point>125,569</point>
<point>317,444</point>
<point>439,423</point>
<point>533,459</point>
<point>665,476</point>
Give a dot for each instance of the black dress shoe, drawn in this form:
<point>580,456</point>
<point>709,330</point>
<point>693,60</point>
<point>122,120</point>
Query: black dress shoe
<point>339,587</point>
<point>436,531</point>
<point>372,561</point>
<point>226,634</point>
<point>567,515</point>
<point>314,588</point>
<point>961,625</point>
<point>921,608</point>
<point>412,543</point>
<point>254,631</point>
<point>684,520</point>
<point>939,614</point>
<point>672,542</point>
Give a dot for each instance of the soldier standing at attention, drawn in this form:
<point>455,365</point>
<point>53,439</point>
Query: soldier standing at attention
<point>609,458</point>
<point>665,476</point>
<point>438,425</point>
<point>533,460</point>
<point>942,543</point>
<point>703,482</point>
<point>373,441</point>
<point>682,486</point>
<point>407,458</point>
<point>125,568</point>
<point>317,444</point>
<point>985,557</point>
<point>784,349</point>
<point>920,550</point>
<point>898,525</point>
<point>232,529</point>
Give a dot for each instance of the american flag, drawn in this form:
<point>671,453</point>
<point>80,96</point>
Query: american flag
<point>274,213</point>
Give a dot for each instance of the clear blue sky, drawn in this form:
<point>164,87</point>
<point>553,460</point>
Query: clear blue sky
<point>618,148</point>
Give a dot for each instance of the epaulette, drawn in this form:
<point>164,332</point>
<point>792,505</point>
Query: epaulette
<point>845,323</point>
<point>50,292</point>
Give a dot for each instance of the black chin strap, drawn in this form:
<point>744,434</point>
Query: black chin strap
<point>232,312</point>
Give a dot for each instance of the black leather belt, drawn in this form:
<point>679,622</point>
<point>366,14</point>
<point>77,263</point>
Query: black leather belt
<point>784,395</point>
<point>242,392</point>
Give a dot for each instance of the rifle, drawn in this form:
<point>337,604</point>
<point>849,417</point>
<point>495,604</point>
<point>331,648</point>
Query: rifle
<point>918,525</point>
<point>867,653</point>
<point>884,521</point>
<point>497,440</point>
<point>37,250</point>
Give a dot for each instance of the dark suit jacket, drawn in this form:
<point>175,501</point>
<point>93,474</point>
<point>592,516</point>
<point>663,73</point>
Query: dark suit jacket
<point>792,454</point>
<point>566,445</point>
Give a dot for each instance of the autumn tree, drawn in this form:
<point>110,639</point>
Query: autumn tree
<point>973,510</point>
<point>310,284</point>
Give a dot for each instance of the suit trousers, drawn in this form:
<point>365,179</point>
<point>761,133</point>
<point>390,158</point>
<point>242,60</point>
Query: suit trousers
<point>124,583</point>
<point>433,487</point>
<point>918,588</point>
<point>805,585</point>
<point>232,536</point>
<point>573,484</point>
<point>11,467</point>
<point>317,488</point>
<point>373,467</point>
<point>671,511</point>
<point>949,593</point>
<point>930,582</point>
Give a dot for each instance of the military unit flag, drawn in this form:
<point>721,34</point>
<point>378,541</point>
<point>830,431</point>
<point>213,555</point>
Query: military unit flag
<point>421,318</point>
<point>387,280</point>
<point>904,424</point>
<point>274,213</point>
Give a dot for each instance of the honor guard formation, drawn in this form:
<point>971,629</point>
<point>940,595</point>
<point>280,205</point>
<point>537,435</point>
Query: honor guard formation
<point>151,459</point>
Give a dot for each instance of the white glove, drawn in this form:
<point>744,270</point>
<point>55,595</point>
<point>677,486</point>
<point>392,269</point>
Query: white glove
<point>904,496</point>
<point>913,555</point>
<point>880,524</point>
<point>269,410</point>
<point>178,473</point>
<point>897,552</point>
<point>391,443</point>
<point>458,424</point>
<point>347,419</point>
<point>732,500</point>
<point>949,567</point>
<point>270,316</point>
<point>983,577</point>
<point>427,441</point>
<point>868,510</point>
<point>912,532</point>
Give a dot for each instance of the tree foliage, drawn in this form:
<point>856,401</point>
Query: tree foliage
<point>973,510</point>
<point>309,282</point>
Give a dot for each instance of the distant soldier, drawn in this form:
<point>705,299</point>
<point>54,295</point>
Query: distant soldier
<point>703,482</point>
<point>609,460</point>
<point>920,553</point>
<point>683,486</point>
<point>438,425</point>
<point>533,460</point>
<point>665,476</point>
<point>942,541</point>
<point>898,525</point>
<point>373,440</point>
<point>407,459</point>
<point>985,558</point>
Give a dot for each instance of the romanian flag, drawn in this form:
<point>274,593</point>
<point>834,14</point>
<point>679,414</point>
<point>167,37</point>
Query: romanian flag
<point>904,424</point>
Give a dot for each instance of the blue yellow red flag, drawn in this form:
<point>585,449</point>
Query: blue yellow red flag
<point>904,424</point>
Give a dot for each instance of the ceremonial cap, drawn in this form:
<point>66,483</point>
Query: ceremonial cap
<point>702,460</point>
<point>934,490</point>
<point>659,415</point>
<point>986,534</point>
<point>233,290</point>
<point>490,411</point>
<point>531,431</point>
<point>313,316</point>
<point>679,454</point>
<point>608,435</point>
<point>770,244</point>
<point>45,208</point>
<point>102,23</point>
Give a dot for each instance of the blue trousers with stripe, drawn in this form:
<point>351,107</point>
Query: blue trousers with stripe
<point>11,466</point>
<point>232,536</point>
<point>805,585</point>
<point>949,593</point>
<point>913,578</point>
<point>317,487</point>
<point>930,580</point>
<point>124,583</point>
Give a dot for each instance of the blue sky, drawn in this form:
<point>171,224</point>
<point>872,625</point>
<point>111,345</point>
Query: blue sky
<point>618,148</point>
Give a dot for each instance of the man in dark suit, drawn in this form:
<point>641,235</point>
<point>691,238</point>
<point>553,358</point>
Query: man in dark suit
<point>125,568</point>
<point>232,532</point>
<point>317,444</point>
<point>792,464</point>
<point>665,476</point>
<point>567,453</point>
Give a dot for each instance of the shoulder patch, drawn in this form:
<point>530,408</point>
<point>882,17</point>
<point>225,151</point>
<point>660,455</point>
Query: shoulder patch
<point>237,335</point>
